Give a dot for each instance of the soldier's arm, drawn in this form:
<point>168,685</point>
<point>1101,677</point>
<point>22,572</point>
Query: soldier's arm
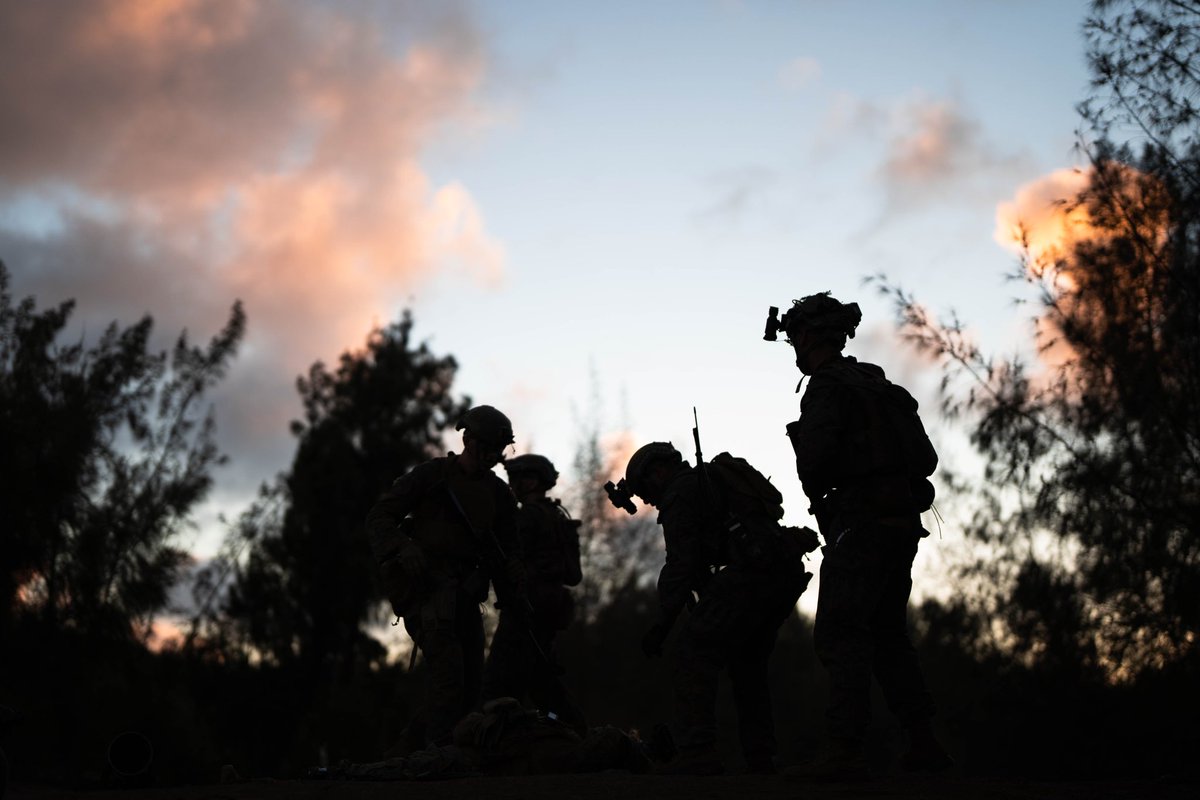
<point>816,437</point>
<point>681,531</point>
<point>384,518</point>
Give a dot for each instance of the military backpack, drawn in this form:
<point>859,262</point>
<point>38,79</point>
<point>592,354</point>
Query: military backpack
<point>889,450</point>
<point>753,508</point>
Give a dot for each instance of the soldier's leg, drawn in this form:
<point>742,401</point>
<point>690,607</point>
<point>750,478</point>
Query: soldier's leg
<point>899,670</point>
<point>896,665</point>
<point>842,633</point>
<point>469,630</point>
<point>752,696</point>
<point>507,669</point>
<point>441,649</point>
<point>704,648</point>
<point>779,593</point>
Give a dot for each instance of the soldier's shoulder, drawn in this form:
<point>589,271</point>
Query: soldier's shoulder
<point>846,370</point>
<point>539,514</point>
<point>423,474</point>
<point>501,488</point>
<point>549,506</point>
<point>432,470</point>
<point>683,488</point>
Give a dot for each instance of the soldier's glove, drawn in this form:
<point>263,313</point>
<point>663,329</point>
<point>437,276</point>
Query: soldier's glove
<point>652,641</point>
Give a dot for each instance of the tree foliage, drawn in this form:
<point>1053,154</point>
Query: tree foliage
<point>104,451</point>
<point>1092,455</point>
<point>303,581</point>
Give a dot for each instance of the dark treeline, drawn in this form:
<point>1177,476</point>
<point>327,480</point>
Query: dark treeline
<point>1066,649</point>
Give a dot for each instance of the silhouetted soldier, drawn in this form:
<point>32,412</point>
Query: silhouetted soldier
<point>863,459</point>
<point>441,532</point>
<point>521,661</point>
<point>740,576</point>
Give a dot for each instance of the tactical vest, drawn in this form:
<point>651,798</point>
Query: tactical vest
<point>437,525</point>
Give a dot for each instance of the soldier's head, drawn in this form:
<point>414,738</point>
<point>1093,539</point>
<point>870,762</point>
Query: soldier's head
<point>530,474</point>
<point>486,432</point>
<point>650,469</point>
<point>817,327</point>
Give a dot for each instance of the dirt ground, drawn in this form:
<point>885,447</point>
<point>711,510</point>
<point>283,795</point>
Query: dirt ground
<point>609,786</point>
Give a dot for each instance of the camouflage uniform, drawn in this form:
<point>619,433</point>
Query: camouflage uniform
<point>514,666</point>
<point>442,615</point>
<point>871,535</point>
<point>733,625</point>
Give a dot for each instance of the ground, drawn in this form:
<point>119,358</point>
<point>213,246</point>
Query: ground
<point>609,786</point>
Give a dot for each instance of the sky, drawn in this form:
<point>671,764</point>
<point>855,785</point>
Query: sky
<point>590,205</point>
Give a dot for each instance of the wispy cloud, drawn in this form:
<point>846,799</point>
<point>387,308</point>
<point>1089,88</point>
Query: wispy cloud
<point>937,151</point>
<point>930,149</point>
<point>735,193</point>
<point>799,73</point>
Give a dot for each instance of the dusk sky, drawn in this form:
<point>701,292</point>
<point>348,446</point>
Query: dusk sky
<point>567,195</point>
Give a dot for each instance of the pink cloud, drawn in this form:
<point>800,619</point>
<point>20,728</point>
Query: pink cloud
<point>934,149</point>
<point>194,152</point>
<point>276,143</point>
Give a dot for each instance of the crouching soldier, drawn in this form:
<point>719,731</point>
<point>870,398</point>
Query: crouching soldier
<point>739,573</point>
<point>522,660</point>
<point>441,533</point>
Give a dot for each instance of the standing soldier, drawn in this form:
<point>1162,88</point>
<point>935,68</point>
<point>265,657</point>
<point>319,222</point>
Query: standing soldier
<point>863,459</point>
<point>726,548</point>
<point>441,533</point>
<point>522,660</point>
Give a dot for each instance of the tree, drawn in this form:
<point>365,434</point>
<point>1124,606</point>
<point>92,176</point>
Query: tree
<point>1098,452</point>
<point>304,582</point>
<point>618,553</point>
<point>104,452</point>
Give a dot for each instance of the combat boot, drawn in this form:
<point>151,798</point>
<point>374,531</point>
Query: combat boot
<point>701,761</point>
<point>925,752</point>
<point>839,760</point>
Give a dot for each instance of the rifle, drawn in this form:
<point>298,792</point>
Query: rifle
<point>488,540</point>
<point>730,523</point>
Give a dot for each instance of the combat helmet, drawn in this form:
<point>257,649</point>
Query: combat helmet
<point>816,312</point>
<point>647,455</point>
<point>539,467</point>
<point>488,425</point>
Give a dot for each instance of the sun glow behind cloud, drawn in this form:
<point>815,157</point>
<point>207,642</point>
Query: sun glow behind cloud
<point>1043,221</point>
<point>1051,225</point>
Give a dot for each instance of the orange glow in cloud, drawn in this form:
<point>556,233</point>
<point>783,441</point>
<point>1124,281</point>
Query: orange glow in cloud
<point>1046,222</point>
<point>265,150</point>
